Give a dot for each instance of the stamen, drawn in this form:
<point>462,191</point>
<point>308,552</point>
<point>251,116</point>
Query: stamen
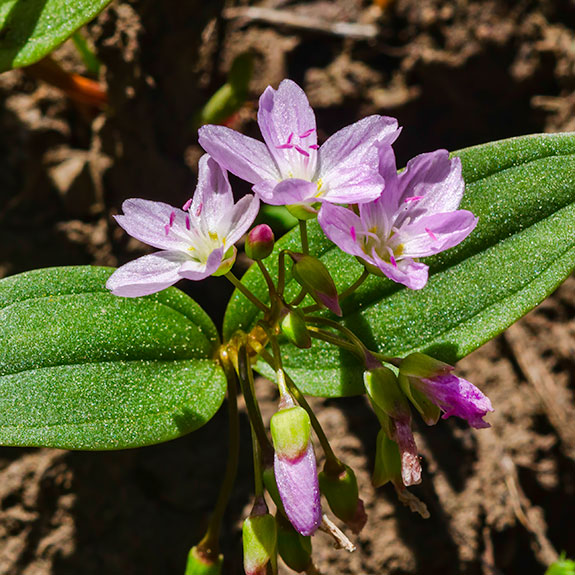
<point>284,147</point>
<point>167,229</point>
<point>172,218</point>
<point>431,234</point>
<point>413,199</point>
<point>302,151</point>
<point>290,138</point>
<point>314,147</point>
<point>187,205</point>
<point>353,234</point>
<point>392,260</point>
<point>199,210</point>
<point>307,133</point>
<point>187,222</point>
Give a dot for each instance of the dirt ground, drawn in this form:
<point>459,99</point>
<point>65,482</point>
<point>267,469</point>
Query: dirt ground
<point>456,73</point>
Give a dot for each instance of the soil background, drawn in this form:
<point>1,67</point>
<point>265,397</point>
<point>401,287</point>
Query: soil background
<point>457,73</point>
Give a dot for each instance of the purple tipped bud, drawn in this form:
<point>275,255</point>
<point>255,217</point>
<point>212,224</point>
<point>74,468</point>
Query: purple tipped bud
<point>387,461</point>
<point>291,431</point>
<point>259,536</point>
<point>201,564</point>
<point>427,380</point>
<point>260,242</point>
<point>293,548</point>
<point>384,392</point>
<point>312,275</point>
<point>342,494</point>
<point>294,328</point>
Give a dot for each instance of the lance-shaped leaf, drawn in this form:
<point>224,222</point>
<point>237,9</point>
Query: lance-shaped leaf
<point>31,29</point>
<point>523,191</point>
<point>83,369</point>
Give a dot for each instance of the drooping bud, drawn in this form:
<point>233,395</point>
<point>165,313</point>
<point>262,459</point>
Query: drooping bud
<point>342,494</point>
<point>295,468</point>
<point>200,564</point>
<point>294,328</point>
<point>293,548</point>
<point>392,409</point>
<point>259,534</point>
<point>312,275</point>
<point>260,242</point>
<point>431,386</point>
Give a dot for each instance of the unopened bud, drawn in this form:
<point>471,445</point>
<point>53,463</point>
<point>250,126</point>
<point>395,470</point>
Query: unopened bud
<point>304,211</point>
<point>227,262</point>
<point>293,548</point>
<point>294,328</point>
<point>260,545</point>
<point>384,392</point>
<point>260,242</point>
<point>201,564</point>
<point>422,365</point>
<point>387,461</point>
<point>312,275</point>
<point>342,494</point>
<point>291,431</point>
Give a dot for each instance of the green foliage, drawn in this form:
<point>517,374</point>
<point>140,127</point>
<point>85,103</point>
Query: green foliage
<point>83,369</point>
<point>31,29</point>
<point>562,566</point>
<point>523,191</point>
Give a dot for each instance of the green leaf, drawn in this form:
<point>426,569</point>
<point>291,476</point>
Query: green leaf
<point>31,29</point>
<point>83,369</point>
<point>523,191</point>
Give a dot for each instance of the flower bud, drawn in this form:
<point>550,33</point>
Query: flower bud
<point>342,494</point>
<point>294,328</point>
<point>260,242</point>
<point>312,275</point>
<point>304,211</point>
<point>387,461</point>
<point>295,468</point>
<point>384,392</point>
<point>260,545</point>
<point>293,548</point>
<point>199,564</point>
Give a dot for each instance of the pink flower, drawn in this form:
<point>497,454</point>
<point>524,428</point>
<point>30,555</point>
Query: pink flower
<point>196,242</point>
<point>415,216</point>
<point>290,167</point>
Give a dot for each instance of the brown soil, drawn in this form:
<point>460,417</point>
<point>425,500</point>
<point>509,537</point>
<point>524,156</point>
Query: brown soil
<point>455,73</point>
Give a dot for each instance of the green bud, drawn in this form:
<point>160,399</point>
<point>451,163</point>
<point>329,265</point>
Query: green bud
<point>293,548</point>
<point>387,461</point>
<point>199,564</point>
<point>384,392</point>
<point>312,275</point>
<point>260,242</point>
<point>294,328</point>
<point>428,410</point>
<point>259,534</point>
<point>291,432</point>
<point>421,365</point>
<point>304,211</point>
<point>342,494</point>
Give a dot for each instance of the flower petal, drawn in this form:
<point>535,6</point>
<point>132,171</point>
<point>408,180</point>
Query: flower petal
<point>298,487</point>
<point>146,275</point>
<point>406,272</point>
<point>245,157</point>
<point>242,216</point>
<point>196,270</point>
<point>146,221</point>
<point>284,116</point>
<point>343,227</point>
<point>290,191</point>
<point>433,234</point>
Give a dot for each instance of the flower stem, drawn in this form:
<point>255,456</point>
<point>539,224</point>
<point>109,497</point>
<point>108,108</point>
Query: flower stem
<point>303,234</point>
<point>318,333</point>
<point>267,277</point>
<point>209,545</point>
<point>258,479</point>
<point>281,272</point>
<point>242,288</point>
<point>358,344</point>
<point>354,286</point>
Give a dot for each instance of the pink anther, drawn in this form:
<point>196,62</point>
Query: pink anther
<point>413,199</point>
<point>167,229</point>
<point>187,205</point>
<point>431,234</point>
<point>307,133</point>
<point>302,151</point>
<point>172,218</point>
<point>314,147</point>
<point>353,234</point>
<point>199,210</point>
<point>187,222</point>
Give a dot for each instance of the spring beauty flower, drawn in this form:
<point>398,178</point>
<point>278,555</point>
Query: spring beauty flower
<point>196,241</point>
<point>454,395</point>
<point>415,216</point>
<point>290,167</point>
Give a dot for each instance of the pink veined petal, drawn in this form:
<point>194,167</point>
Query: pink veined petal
<point>146,221</point>
<point>435,233</point>
<point>298,487</point>
<point>245,157</point>
<point>353,146</point>
<point>146,275</point>
<point>241,218</point>
<point>286,192</point>
<point>285,116</point>
<point>437,178</point>
<point>412,275</point>
<point>352,185</point>
<point>196,271</point>
<point>342,227</point>
<point>391,196</point>
<point>213,196</point>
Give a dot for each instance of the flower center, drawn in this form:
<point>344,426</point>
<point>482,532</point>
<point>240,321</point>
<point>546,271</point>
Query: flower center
<point>387,248</point>
<point>300,159</point>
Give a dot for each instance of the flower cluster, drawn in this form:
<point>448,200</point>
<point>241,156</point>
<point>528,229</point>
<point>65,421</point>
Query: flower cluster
<point>387,220</point>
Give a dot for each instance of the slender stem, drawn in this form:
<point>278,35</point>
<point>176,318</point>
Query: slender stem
<point>341,328</point>
<point>210,543</point>
<point>303,234</point>
<point>333,339</point>
<point>241,287</point>
<point>329,454</point>
<point>354,286</point>
<point>299,297</point>
<point>254,414</point>
<point>284,393</point>
<point>311,308</point>
<point>267,277</point>
<point>258,479</point>
<point>281,272</point>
